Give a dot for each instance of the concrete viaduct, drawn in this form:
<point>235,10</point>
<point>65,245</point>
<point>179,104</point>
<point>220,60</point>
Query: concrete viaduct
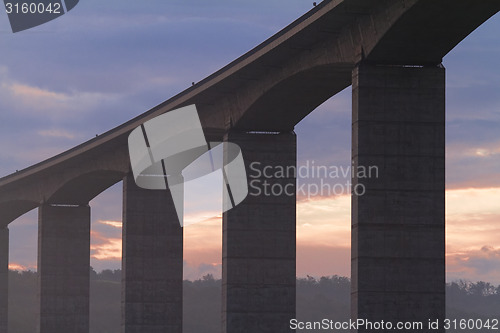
<point>390,51</point>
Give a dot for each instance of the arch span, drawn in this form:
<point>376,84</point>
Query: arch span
<point>11,210</point>
<point>287,102</point>
<point>85,187</point>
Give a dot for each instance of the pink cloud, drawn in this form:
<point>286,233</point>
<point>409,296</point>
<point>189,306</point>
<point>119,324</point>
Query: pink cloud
<point>21,267</point>
<point>105,248</point>
<point>475,264</point>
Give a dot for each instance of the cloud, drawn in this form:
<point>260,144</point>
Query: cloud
<point>480,149</point>
<point>472,204</point>
<point>473,234</point>
<point>114,224</point>
<point>106,244</point>
<point>324,221</point>
<point>19,157</point>
<point>479,264</point>
<point>204,236</point>
<point>195,272</point>
<point>105,248</point>
<point>57,133</point>
<point>41,102</point>
<point>121,15</point>
<point>23,240</point>
<point>472,220</point>
<point>42,122</point>
<point>484,261</point>
<point>106,240</point>
<point>322,260</point>
<point>19,267</point>
<point>34,93</point>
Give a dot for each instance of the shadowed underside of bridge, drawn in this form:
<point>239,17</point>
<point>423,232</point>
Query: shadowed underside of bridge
<point>391,52</point>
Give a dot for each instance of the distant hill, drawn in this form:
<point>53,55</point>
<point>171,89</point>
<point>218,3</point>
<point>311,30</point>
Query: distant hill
<point>326,297</point>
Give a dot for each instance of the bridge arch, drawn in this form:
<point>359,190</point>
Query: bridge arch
<point>11,210</point>
<point>287,101</point>
<point>89,186</point>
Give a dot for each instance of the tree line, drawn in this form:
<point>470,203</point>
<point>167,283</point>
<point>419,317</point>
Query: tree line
<point>317,298</point>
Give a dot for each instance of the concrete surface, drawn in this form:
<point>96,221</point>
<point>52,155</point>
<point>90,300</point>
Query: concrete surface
<point>4,278</point>
<point>152,261</point>
<point>63,269</point>
<point>258,255</point>
<point>398,225</point>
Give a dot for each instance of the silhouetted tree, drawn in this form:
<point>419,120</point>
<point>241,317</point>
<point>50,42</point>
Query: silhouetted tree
<point>326,297</point>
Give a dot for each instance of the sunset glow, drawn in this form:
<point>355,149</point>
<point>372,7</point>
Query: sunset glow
<point>324,237</point>
<point>18,267</point>
<point>103,248</point>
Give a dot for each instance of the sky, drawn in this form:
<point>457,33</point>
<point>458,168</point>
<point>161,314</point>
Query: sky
<point>106,62</point>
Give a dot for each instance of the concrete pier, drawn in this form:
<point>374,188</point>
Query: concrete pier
<point>63,268</point>
<point>258,263</point>
<point>398,239</point>
<point>4,278</point>
<point>152,263</point>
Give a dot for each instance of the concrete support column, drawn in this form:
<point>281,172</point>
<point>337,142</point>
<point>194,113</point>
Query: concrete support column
<point>63,268</point>
<point>398,229</point>
<point>152,265</point>
<point>4,278</point>
<point>258,261</point>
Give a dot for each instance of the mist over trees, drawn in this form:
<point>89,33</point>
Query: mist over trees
<point>326,297</point>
